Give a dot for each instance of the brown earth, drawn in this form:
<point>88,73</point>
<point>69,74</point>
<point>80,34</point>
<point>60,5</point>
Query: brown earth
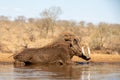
<point>101,58</point>
<point>7,58</point>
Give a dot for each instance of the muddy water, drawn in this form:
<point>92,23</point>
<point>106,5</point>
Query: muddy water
<point>99,71</point>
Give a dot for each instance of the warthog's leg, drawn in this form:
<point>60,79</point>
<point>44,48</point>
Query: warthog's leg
<point>59,62</point>
<point>66,60</point>
<point>18,63</point>
<point>69,62</point>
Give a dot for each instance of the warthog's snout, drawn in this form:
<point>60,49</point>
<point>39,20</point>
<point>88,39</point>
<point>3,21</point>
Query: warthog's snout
<point>85,57</point>
<point>86,53</point>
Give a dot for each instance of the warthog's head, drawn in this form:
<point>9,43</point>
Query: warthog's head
<point>78,50</point>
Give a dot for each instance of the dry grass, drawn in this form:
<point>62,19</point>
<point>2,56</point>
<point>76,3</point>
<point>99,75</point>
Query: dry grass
<point>5,57</point>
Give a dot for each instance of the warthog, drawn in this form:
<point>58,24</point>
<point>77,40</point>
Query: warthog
<point>56,53</point>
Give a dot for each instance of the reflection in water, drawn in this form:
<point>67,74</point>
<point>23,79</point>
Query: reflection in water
<point>6,72</point>
<point>52,72</point>
<point>85,76</point>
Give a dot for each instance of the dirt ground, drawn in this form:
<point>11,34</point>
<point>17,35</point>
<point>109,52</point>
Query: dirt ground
<point>100,58</point>
<point>7,58</point>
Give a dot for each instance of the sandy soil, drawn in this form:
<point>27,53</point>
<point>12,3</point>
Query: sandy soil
<point>100,58</point>
<point>7,58</point>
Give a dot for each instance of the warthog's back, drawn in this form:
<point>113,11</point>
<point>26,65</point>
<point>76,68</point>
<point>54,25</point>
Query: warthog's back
<point>54,54</point>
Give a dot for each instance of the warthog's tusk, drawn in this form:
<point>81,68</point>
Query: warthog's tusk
<point>88,50</point>
<point>83,51</point>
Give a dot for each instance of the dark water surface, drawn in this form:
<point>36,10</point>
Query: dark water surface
<point>103,71</point>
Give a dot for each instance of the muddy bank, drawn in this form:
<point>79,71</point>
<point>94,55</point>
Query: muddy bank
<point>7,58</point>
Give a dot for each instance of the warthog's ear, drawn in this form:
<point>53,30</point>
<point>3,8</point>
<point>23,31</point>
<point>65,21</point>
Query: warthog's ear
<point>75,41</point>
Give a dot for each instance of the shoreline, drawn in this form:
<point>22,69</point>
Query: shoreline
<point>95,58</point>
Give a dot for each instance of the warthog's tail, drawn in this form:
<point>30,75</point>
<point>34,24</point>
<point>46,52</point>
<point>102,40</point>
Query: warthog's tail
<point>12,55</point>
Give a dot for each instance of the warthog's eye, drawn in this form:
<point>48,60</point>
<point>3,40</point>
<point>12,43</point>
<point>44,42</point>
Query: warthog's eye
<point>67,40</point>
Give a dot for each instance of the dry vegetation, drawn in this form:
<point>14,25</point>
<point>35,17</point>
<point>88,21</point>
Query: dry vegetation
<point>15,35</point>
